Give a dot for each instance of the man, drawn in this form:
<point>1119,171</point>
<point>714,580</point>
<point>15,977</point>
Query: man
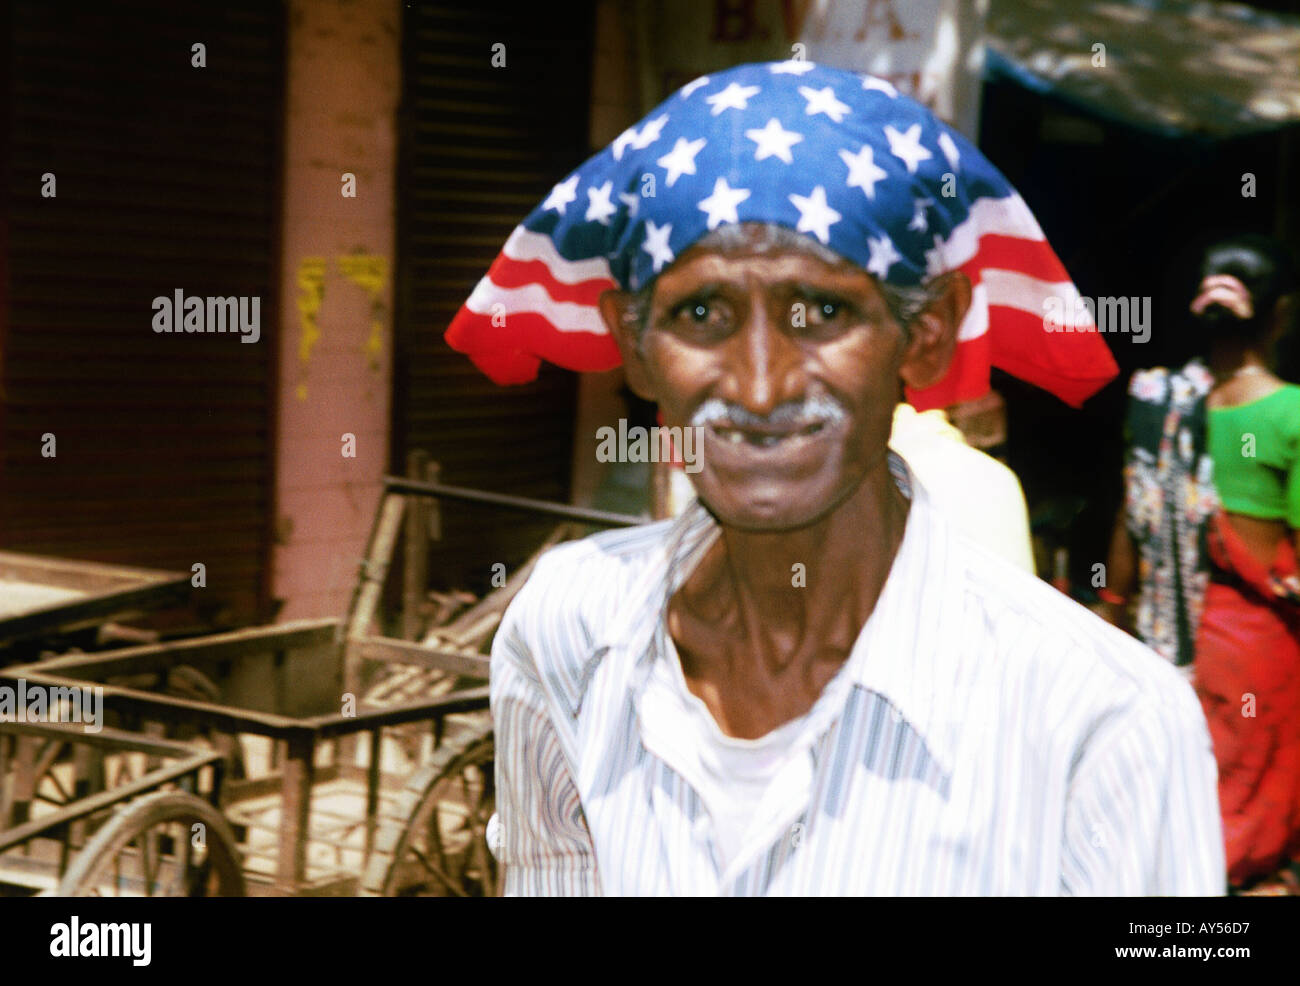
<point>809,683</point>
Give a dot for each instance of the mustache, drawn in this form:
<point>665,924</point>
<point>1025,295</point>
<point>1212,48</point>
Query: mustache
<point>816,409</point>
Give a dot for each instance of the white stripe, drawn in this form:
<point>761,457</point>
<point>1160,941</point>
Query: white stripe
<point>1007,216</point>
<point>566,316</point>
<point>527,245</point>
<point>976,322</point>
<point>1029,294</point>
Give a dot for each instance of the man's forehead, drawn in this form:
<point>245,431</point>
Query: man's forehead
<point>772,268</point>
<point>747,250</point>
<point>759,237</point>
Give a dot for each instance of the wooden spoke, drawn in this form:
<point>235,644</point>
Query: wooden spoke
<point>431,841</point>
<point>66,798</point>
<point>181,872</point>
<point>438,873</point>
<point>150,852</point>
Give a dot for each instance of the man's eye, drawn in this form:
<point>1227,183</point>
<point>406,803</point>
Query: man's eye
<point>700,312</point>
<point>822,311</point>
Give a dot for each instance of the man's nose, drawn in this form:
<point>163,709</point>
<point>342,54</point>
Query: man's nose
<point>765,364</point>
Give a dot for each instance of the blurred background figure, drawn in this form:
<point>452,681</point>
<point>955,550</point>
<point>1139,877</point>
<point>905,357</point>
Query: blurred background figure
<point>1208,538</point>
<point>982,496</point>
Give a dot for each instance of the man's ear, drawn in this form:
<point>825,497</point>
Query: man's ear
<point>618,310</point>
<point>934,331</point>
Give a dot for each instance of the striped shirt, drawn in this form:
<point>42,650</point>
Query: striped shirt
<point>986,736</point>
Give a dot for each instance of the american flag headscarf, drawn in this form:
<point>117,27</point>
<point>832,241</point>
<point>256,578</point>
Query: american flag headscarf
<point>832,154</point>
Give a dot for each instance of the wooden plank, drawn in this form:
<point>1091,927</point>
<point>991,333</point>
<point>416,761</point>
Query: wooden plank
<point>8,748</point>
<point>94,608</point>
<point>169,708</point>
<point>585,515</point>
<point>372,788</point>
<point>105,799</point>
<point>440,658</point>
<point>375,568</point>
<point>53,747</point>
<point>433,474</point>
<point>217,647</point>
<point>415,568</point>
<point>236,792</point>
<point>113,740</point>
<point>424,710</point>
<point>366,596</point>
<point>82,576</point>
<point>24,770</point>
<point>88,779</point>
<point>295,813</point>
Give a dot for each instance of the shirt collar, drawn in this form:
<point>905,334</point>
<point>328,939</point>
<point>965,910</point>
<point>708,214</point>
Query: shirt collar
<point>900,653</point>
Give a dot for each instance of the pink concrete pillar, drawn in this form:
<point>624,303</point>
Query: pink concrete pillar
<point>335,334</point>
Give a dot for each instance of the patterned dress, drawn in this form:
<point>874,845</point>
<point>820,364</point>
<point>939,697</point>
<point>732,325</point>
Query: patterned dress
<point>1169,499</point>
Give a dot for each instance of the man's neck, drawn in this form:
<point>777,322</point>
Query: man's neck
<point>802,596</point>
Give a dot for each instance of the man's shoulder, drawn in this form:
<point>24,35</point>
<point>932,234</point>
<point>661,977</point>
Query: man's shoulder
<point>578,587</point>
<point>613,554</point>
<point>1037,635</point>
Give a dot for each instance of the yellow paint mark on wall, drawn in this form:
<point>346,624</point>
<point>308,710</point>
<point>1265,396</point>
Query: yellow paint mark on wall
<point>311,287</point>
<point>369,272</point>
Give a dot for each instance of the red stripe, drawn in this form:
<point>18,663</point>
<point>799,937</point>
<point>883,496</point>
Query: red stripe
<point>967,377</point>
<point>506,272</point>
<point>1033,258</point>
<point>512,354</point>
<point>1071,365</point>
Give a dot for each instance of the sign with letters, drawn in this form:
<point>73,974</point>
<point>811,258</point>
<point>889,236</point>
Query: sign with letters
<point>932,50</point>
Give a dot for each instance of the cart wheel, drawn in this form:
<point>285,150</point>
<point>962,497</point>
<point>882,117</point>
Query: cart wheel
<point>149,849</point>
<point>432,838</point>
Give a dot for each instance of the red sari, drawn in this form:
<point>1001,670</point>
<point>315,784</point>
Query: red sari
<point>1248,678</point>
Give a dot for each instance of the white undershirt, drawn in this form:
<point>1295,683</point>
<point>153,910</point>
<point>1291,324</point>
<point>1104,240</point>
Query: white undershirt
<point>740,773</point>
<point>744,782</point>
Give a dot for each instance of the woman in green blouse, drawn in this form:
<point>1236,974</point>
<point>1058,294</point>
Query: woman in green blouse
<point>1247,669</point>
<point>1209,535</point>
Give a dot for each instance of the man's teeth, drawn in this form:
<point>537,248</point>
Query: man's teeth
<point>764,439</point>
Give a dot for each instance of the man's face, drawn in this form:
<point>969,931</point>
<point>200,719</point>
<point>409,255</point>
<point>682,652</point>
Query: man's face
<point>793,363</point>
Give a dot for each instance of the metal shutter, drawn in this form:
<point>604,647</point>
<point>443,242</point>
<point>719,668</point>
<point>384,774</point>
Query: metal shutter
<point>167,177</point>
<point>480,146</point>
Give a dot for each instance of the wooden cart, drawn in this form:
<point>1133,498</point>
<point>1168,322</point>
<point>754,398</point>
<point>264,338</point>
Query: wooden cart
<point>40,596</point>
<point>304,806</point>
<point>353,762</point>
<point>110,813</point>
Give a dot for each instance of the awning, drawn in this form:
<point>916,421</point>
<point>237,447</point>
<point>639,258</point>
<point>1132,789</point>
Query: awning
<point>1172,67</point>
